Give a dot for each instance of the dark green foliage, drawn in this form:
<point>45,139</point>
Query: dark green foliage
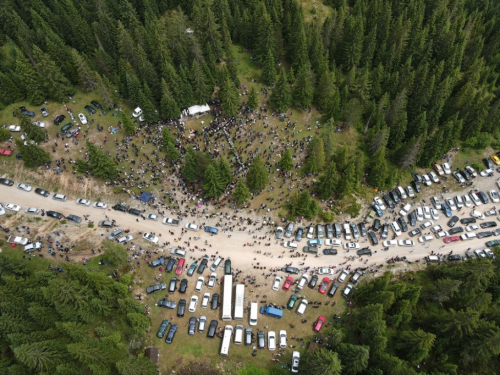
<point>286,161</point>
<point>322,362</point>
<point>315,159</point>
<point>33,155</point>
<point>257,175</point>
<point>189,167</point>
<point>169,144</point>
<point>303,205</point>
<point>241,193</point>
<point>99,163</point>
<point>252,102</point>
<point>128,124</point>
<point>224,171</point>
<point>212,184</point>
<point>228,94</point>
<point>4,134</point>
<point>281,97</point>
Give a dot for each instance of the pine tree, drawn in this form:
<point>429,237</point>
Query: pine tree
<point>224,170</point>
<point>228,94</point>
<point>56,84</point>
<point>99,163</point>
<point>257,175</point>
<point>286,161</point>
<point>252,102</point>
<point>269,68</point>
<point>31,81</point>
<point>86,76</point>
<point>241,193</point>
<point>201,91</point>
<point>212,184</point>
<point>347,182</point>
<point>34,132</point>
<point>189,168</point>
<point>377,175</point>
<point>281,97</point>
<point>169,108</point>
<point>328,182</point>
<point>33,155</point>
<point>315,159</point>
<point>304,90</point>
<point>127,124</point>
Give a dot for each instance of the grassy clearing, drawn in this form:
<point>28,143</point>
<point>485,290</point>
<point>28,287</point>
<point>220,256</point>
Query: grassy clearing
<point>315,9</point>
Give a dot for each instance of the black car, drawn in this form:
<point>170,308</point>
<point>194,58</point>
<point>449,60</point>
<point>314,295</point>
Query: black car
<point>76,219</point>
<point>452,221</point>
<point>484,234</point>
<point>416,177</point>
<point>59,119</point>
<point>329,231</point>
<point>166,303</point>
<point>333,289</point>
<point>483,197</point>
<point>202,266</point>
<point>455,230</point>
<point>373,238</point>
<point>171,333</point>
<point>416,186</point>
<point>362,229</point>
<point>364,251</point>
<point>389,202</point>
<point>468,220</point>
<point>181,308</point>
<point>215,301</point>
<point>134,211</point>
<point>26,112</point>
<point>192,326</point>
<point>376,225</point>
<point>414,232</point>
<point>227,267</point>
<point>293,270</point>
<point>313,282</point>
<point>329,252</point>
<point>299,234</point>
<point>96,104</point>
<point>488,163</point>
<point>183,286</point>
<point>7,182</point>
<point>212,329</point>
<point>5,229</point>
<point>91,110</point>
<point>394,196</point>
<point>119,207</point>
<point>54,214</point>
<point>488,224</point>
<point>170,265</point>
<point>402,224</point>
<point>454,257</point>
<point>172,287</point>
<point>412,219</point>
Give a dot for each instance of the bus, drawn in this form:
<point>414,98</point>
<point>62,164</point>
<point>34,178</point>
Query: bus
<point>227,298</point>
<point>226,341</point>
<point>239,300</point>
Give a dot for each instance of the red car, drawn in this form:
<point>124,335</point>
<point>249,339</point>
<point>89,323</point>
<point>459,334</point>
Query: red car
<point>324,285</point>
<point>5,151</point>
<point>180,266</point>
<point>319,323</point>
<point>451,239</point>
<point>288,283</point>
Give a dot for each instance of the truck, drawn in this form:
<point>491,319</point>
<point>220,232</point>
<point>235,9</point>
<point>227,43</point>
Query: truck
<point>18,240</point>
<point>239,300</point>
<point>271,311</point>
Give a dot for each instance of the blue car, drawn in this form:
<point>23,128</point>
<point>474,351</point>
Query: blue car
<point>377,209</point>
<point>211,230</point>
<point>315,242</point>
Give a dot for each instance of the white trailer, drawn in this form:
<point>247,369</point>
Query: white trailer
<point>226,341</point>
<point>227,298</point>
<point>239,301</point>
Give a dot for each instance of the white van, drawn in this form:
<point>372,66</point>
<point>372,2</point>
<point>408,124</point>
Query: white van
<point>238,334</point>
<point>347,232</point>
<point>254,307</point>
<point>226,341</point>
<point>433,258</point>
<point>302,307</point>
<point>401,192</point>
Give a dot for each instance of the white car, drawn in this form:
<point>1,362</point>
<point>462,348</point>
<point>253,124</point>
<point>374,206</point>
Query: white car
<point>480,253</point>
<point>152,217</point>
<point>379,202</point>
<point>212,280</point>
<point>333,242</point>
<point>437,228</point>
<point>468,236</point>
<point>14,128</point>
<point>436,203</point>
<point>40,124</point>
<point>310,232</point>
<point>390,243</point>
<point>494,196</point>
<point>396,228</point>
<point>193,302</point>
<point>205,300</point>
<point>24,187</point>
<point>290,245</point>
<point>441,234</point>
<point>410,192</point>
<point>150,237</point>
<point>282,338</point>
<point>472,227</point>
<point>427,224</point>
<point>423,239</point>
<point>271,340</point>
<point>451,204</point>
<point>199,284</point>
<point>125,239</point>
<point>419,213</point>
<point>351,245</point>
<point>406,243</point>
<point>427,212</point>
<point>486,172</point>
<point>170,221</point>
<point>32,210</point>
<point>304,279</point>
<point>459,202</point>
<point>434,177</point>
<point>83,118</point>
<point>2,211</point>
<point>446,168</point>
<point>473,196</point>
<point>489,253</point>
<point>471,171</point>
<point>434,214</point>
<point>295,362</point>
<point>191,226</point>
<point>404,211</point>
<point>467,201</point>
<point>13,207</point>
<point>326,271</point>
<point>83,202</point>
<point>100,205</point>
<point>426,180</point>
<point>343,276</point>
<point>276,283</point>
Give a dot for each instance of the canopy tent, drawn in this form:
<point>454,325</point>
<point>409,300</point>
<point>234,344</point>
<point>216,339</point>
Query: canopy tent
<point>145,197</point>
<point>197,110</point>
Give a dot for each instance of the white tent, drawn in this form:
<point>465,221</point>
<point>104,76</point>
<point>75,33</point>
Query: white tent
<point>198,110</point>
